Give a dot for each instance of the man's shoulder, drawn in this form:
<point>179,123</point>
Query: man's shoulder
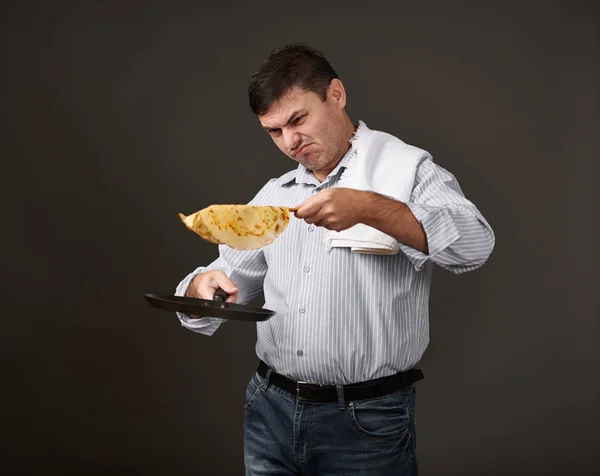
<point>388,141</point>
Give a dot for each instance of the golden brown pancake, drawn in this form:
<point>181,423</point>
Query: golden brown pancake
<point>244,227</point>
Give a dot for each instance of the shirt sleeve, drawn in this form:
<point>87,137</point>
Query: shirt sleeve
<point>459,237</point>
<point>246,268</point>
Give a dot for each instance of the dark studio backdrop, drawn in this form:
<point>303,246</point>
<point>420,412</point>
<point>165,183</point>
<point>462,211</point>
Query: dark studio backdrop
<point>118,115</point>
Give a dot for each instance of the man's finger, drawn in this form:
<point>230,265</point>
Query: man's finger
<point>308,208</point>
<point>226,284</point>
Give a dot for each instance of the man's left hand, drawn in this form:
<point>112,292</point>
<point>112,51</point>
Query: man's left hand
<point>335,208</point>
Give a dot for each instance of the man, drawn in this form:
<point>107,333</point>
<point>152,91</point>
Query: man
<point>334,392</point>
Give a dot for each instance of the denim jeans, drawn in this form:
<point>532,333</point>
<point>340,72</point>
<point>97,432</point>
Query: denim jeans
<point>284,435</point>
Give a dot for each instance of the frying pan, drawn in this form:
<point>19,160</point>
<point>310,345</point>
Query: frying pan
<point>217,307</point>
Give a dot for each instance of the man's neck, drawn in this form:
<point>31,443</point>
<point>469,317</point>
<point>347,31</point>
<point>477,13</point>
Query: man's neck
<point>321,175</point>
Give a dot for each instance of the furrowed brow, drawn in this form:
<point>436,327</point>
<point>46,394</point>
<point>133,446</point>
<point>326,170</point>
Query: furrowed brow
<point>289,121</point>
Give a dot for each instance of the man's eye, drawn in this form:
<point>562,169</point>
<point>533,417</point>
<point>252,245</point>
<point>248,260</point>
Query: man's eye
<point>298,119</point>
<point>274,132</point>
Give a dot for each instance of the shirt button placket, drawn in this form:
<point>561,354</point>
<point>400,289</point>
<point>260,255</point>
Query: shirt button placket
<point>302,308</point>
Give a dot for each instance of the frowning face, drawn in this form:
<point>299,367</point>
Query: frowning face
<point>312,132</point>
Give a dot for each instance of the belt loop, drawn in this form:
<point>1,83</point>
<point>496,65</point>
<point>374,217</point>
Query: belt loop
<point>340,395</point>
<point>265,383</point>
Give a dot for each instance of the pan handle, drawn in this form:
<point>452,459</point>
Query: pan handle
<point>220,295</point>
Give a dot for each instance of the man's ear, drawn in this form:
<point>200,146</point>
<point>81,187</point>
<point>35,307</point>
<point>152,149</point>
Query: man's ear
<point>337,93</point>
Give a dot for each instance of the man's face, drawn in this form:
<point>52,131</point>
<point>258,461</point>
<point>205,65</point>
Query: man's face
<point>309,130</point>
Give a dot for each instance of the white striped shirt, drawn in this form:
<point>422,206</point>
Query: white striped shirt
<point>344,317</point>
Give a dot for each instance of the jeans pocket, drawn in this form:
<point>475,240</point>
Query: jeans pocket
<point>252,390</point>
<point>385,417</point>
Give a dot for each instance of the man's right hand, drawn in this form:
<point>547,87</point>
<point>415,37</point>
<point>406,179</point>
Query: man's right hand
<point>205,284</point>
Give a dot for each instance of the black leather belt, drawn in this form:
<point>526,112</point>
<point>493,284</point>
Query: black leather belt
<point>356,391</point>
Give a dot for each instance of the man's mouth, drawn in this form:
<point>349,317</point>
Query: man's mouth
<point>299,152</point>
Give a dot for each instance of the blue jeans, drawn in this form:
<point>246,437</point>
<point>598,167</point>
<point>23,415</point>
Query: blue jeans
<point>286,436</point>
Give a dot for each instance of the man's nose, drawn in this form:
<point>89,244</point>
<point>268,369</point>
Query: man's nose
<point>291,140</point>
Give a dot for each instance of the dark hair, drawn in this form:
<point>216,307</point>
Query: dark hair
<point>295,65</point>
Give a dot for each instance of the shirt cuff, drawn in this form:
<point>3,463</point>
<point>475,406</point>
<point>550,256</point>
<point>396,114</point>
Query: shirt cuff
<point>203,325</point>
<point>440,230</point>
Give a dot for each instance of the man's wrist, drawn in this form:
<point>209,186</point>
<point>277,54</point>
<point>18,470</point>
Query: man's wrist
<point>375,207</point>
<point>367,204</point>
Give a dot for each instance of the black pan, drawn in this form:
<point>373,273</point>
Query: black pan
<point>207,308</point>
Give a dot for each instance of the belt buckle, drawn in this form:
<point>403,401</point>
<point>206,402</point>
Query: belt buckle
<point>298,383</point>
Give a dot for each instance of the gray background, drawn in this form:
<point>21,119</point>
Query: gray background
<point>118,115</point>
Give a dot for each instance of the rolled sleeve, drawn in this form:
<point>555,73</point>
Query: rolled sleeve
<point>458,236</point>
<point>440,229</point>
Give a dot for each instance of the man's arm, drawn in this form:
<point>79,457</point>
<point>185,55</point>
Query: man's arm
<point>459,237</point>
<point>438,223</point>
<point>394,218</point>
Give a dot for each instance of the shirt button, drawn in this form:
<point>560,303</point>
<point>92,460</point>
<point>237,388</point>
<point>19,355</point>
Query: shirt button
<point>306,269</point>
<point>299,353</point>
<point>302,309</point>
<point>311,228</point>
